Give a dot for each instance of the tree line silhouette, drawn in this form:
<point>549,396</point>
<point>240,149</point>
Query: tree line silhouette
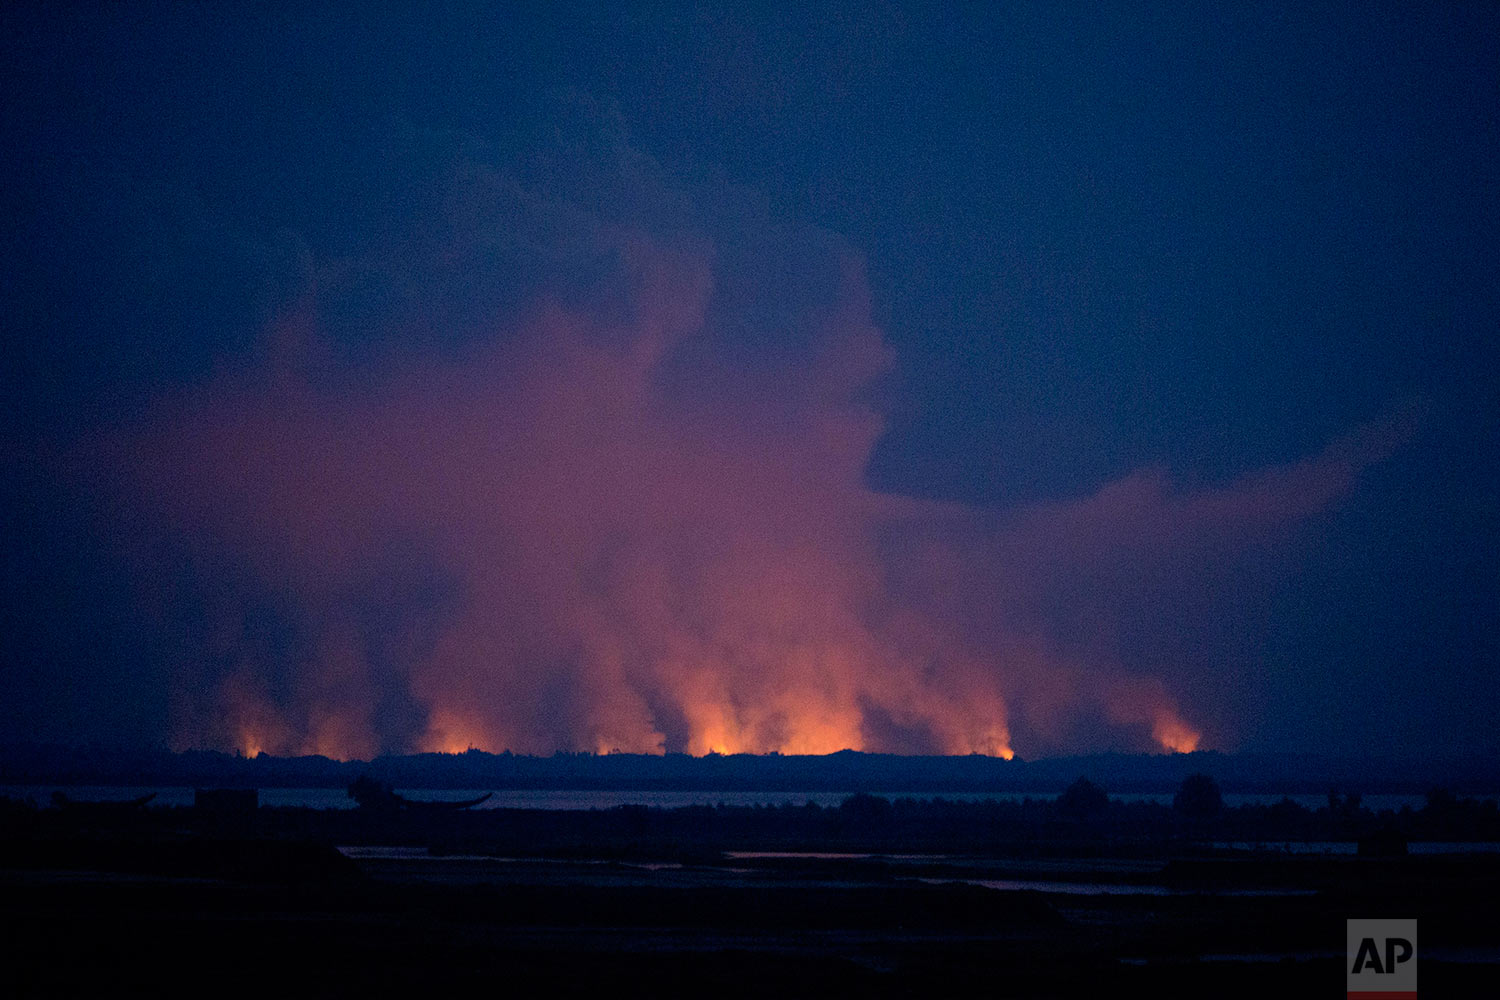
<point>1084,818</point>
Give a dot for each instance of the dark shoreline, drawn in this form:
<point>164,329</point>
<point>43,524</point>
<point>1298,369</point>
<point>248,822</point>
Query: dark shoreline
<point>928,899</point>
<point>1083,819</point>
<point>846,771</point>
<point>302,920</point>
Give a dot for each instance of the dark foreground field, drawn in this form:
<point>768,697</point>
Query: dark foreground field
<point>168,904</point>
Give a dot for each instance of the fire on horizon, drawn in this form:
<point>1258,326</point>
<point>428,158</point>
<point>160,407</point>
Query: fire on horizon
<point>982,380</point>
<point>563,551</point>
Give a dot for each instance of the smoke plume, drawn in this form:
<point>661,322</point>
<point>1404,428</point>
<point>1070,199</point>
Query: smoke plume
<point>629,511</point>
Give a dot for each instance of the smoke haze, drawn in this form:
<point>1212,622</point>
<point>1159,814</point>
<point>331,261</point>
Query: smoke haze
<point>554,475</point>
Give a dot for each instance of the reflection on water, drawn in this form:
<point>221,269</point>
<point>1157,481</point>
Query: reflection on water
<point>828,856</point>
<point>336,798</point>
<point>181,795</point>
<point>1110,888</point>
<point>409,863</point>
<point>1349,847</point>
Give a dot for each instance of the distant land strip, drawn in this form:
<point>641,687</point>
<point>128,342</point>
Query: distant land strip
<point>847,771</point>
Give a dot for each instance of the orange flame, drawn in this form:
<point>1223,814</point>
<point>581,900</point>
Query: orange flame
<point>451,732</point>
<point>1174,735</point>
<point>629,567</point>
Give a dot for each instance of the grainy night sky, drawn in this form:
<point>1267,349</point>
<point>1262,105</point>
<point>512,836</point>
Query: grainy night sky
<point>1039,378</point>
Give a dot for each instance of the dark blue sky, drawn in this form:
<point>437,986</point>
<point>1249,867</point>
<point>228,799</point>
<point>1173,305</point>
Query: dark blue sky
<point>1099,242</point>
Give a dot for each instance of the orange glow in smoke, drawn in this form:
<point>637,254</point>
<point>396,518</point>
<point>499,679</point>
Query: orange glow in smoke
<point>717,727</point>
<point>451,732</point>
<point>807,721</point>
<point>250,745</point>
<point>995,744</point>
<point>1175,735</point>
<point>635,576</point>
